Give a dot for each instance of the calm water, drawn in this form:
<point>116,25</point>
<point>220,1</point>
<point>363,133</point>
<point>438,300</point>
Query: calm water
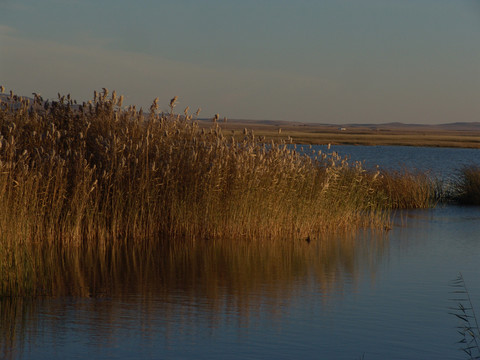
<point>442,162</point>
<point>381,296</point>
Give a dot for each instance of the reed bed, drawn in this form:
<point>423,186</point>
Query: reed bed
<point>97,174</point>
<point>466,188</point>
<point>100,171</point>
<point>409,189</point>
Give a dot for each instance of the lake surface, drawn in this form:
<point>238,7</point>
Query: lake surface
<point>344,296</point>
<point>441,162</point>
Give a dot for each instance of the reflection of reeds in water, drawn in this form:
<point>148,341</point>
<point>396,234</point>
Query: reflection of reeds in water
<point>216,277</point>
<point>464,312</point>
<point>13,313</point>
<point>96,271</point>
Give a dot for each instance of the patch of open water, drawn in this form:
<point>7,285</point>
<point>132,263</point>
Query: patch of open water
<point>442,162</point>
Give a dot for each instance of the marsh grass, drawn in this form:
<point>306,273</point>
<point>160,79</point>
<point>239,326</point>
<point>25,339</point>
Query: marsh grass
<point>409,189</point>
<point>99,171</point>
<point>466,188</point>
<point>318,134</point>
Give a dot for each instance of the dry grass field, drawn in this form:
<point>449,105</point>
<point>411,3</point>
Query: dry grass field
<point>463,135</point>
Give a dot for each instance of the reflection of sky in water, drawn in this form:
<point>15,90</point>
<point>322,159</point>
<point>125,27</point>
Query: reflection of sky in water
<point>443,162</point>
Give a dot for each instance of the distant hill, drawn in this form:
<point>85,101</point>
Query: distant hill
<point>461,126</point>
<point>457,126</point>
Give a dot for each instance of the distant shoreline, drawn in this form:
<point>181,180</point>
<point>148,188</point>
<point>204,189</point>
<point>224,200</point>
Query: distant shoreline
<point>459,135</point>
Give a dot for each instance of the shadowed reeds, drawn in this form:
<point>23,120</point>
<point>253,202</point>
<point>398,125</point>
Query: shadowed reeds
<point>467,186</point>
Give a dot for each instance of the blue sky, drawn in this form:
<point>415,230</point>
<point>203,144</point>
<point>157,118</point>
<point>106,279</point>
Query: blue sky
<point>328,61</point>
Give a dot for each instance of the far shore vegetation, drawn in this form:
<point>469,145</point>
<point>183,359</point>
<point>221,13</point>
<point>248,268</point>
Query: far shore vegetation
<point>97,175</point>
<point>462,135</point>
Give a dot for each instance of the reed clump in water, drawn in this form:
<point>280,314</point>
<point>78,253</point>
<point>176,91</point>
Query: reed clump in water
<point>99,171</point>
<point>97,174</point>
<point>466,188</point>
<point>407,189</point>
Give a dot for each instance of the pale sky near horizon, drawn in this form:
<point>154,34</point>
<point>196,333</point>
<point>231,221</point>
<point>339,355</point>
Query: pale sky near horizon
<point>327,61</point>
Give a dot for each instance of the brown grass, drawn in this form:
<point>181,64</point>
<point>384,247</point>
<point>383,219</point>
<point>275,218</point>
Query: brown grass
<point>320,134</point>
<point>99,171</point>
<point>406,189</point>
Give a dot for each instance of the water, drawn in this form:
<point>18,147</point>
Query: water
<point>381,296</point>
<point>441,162</point>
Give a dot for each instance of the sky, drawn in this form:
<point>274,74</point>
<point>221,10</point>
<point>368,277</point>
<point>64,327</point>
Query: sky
<point>321,61</point>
